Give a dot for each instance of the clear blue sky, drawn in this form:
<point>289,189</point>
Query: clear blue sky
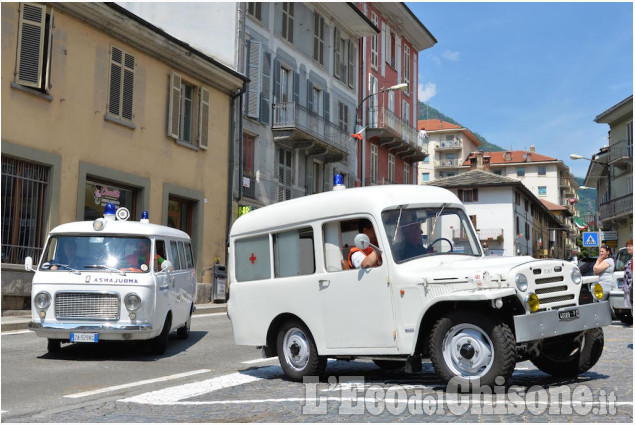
<point>524,74</point>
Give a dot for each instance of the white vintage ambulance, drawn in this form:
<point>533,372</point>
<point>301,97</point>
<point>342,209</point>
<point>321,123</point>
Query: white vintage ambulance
<point>113,279</point>
<point>296,293</point>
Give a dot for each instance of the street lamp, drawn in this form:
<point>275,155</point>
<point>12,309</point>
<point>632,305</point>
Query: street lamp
<point>396,87</point>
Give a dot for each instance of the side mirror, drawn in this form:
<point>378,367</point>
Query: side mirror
<point>362,241</point>
<point>166,266</point>
<point>28,264</point>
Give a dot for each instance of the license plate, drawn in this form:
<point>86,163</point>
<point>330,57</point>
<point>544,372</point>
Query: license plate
<point>569,314</point>
<point>84,337</point>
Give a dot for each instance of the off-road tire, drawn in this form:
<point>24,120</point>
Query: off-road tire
<point>549,360</point>
<point>502,362</point>
<point>159,344</point>
<point>298,338</point>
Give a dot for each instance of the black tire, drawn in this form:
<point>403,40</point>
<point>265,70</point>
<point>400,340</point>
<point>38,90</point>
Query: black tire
<point>159,344</point>
<point>625,318</point>
<point>184,331</point>
<point>556,359</point>
<point>389,364</point>
<point>54,345</point>
<point>297,352</point>
<point>479,349</point>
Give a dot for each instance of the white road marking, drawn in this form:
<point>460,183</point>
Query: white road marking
<point>173,395</point>
<point>25,331</point>
<point>136,384</point>
<point>256,361</point>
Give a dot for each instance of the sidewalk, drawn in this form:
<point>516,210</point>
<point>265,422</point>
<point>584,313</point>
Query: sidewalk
<point>15,320</point>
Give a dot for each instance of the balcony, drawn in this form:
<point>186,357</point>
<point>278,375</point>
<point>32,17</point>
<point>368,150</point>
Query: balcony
<point>621,153</point>
<point>447,163</point>
<point>296,127</point>
<point>249,187</point>
<point>616,208</point>
<point>377,181</point>
<point>395,135</point>
<point>450,145</point>
<point>487,234</point>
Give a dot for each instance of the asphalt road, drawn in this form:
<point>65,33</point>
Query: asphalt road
<point>208,379</point>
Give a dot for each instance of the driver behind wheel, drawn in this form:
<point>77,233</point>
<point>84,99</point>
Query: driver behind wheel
<point>411,243</point>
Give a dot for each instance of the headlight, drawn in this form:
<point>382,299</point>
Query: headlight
<point>521,282</point>
<point>598,292</point>
<point>132,301</point>
<point>532,302</point>
<point>576,276</point>
<point>42,300</point>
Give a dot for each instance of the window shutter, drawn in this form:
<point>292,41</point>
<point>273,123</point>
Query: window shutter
<point>174,106</point>
<point>352,60</point>
<point>398,59</point>
<point>296,88</point>
<point>383,49</point>
<point>309,95</point>
<point>203,118</point>
<point>327,106</point>
<point>475,195</point>
<point>128,86</point>
<point>265,88</point>
<point>114,93</point>
<point>31,45</point>
<point>336,53</point>
<point>47,78</point>
<point>252,103</point>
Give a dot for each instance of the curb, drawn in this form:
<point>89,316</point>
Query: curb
<point>19,319</point>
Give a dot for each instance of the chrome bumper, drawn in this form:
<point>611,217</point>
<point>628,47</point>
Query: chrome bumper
<point>91,327</point>
<point>547,324</point>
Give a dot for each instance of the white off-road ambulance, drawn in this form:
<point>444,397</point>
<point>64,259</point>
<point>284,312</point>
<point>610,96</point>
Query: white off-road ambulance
<point>295,291</point>
<point>113,279</point>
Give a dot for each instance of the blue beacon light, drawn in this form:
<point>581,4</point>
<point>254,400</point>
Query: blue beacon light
<point>110,209</point>
<point>144,217</point>
<point>338,182</point>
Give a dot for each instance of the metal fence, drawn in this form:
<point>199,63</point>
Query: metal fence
<point>616,207</point>
<point>621,149</point>
<point>380,117</point>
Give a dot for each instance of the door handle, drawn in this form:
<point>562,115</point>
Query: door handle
<point>173,282</point>
<point>324,283</point>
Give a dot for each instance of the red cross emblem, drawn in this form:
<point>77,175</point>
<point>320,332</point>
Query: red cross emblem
<point>252,258</point>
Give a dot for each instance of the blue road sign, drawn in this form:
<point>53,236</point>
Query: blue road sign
<point>590,239</point>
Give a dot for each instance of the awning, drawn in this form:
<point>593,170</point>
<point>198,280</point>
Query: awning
<point>580,224</point>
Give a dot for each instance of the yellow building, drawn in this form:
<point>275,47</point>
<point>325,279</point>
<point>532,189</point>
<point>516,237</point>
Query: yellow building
<point>100,106</point>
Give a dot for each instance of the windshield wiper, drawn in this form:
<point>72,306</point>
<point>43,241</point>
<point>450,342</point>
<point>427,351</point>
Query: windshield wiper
<point>58,265</point>
<point>102,266</point>
<point>394,236</point>
<point>434,225</point>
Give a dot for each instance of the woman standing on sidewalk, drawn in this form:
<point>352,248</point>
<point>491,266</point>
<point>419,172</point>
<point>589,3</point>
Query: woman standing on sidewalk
<point>604,267</point>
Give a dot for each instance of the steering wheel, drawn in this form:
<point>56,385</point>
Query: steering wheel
<point>442,239</point>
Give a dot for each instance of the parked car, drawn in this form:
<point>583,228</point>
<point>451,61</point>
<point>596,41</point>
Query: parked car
<point>616,297</point>
<point>586,265</point>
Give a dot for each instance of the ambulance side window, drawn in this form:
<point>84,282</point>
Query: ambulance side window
<point>294,253</point>
<point>188,256</point>
<point>160,248</point>
<point>182,256</point>
<point>174,248</point>
<point>339,239</point>
<point>252,258</point>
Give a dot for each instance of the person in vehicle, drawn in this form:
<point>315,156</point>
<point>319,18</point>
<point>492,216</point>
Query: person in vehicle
<point>411,242</point>
<point>65,254</point>
<point>141,256</point>
<point>358,258</point>
<point>604,267</point>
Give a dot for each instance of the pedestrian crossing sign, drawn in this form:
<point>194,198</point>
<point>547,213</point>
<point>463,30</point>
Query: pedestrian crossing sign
<point>590,239</point>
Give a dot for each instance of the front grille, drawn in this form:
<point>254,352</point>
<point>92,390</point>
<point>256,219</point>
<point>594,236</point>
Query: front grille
<point>557,299</point>
<point>86,305</point>
<point>551,289</point>
<point>553,279</point>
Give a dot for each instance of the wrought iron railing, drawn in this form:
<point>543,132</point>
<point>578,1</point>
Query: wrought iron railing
<point>450,144</point>
<point>621,149</point>
<point>380,117</point>
<point>440,163</point>
<point>615,207</point>
<point>293,115</point>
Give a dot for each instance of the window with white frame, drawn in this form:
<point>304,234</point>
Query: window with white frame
<point>406,173</point>
<point>318,38</point>
<point>316,96</point>
<point>374,49</point>
<point>406,68</point>
<point>352,61</point>
<point>542,190</point>
<point>121,84</point>
<point>287,21</point>
<point>373,110</point>
<point>389,46</point>
<point>188,112</point>
<point>337,59</point>
<point>35,38</point>
<point>391,101</point>
<point>254,9</point>
<point>405,112</point>
<point>425,177</point>
<point>391,168</point>
<point>374,162</point>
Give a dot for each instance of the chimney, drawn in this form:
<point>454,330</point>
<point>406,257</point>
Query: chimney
<point>479,161</point>
<point>532,149</point>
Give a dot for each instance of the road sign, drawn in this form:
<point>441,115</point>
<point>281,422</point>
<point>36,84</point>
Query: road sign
<point>609,235</point>
<point>590,239</point>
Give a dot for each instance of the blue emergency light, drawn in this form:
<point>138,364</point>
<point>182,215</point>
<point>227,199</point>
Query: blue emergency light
<point>110,209</point>
<point>338,182</point>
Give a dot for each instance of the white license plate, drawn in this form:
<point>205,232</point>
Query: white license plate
<point>569,314</point>
<point>84,337</point>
